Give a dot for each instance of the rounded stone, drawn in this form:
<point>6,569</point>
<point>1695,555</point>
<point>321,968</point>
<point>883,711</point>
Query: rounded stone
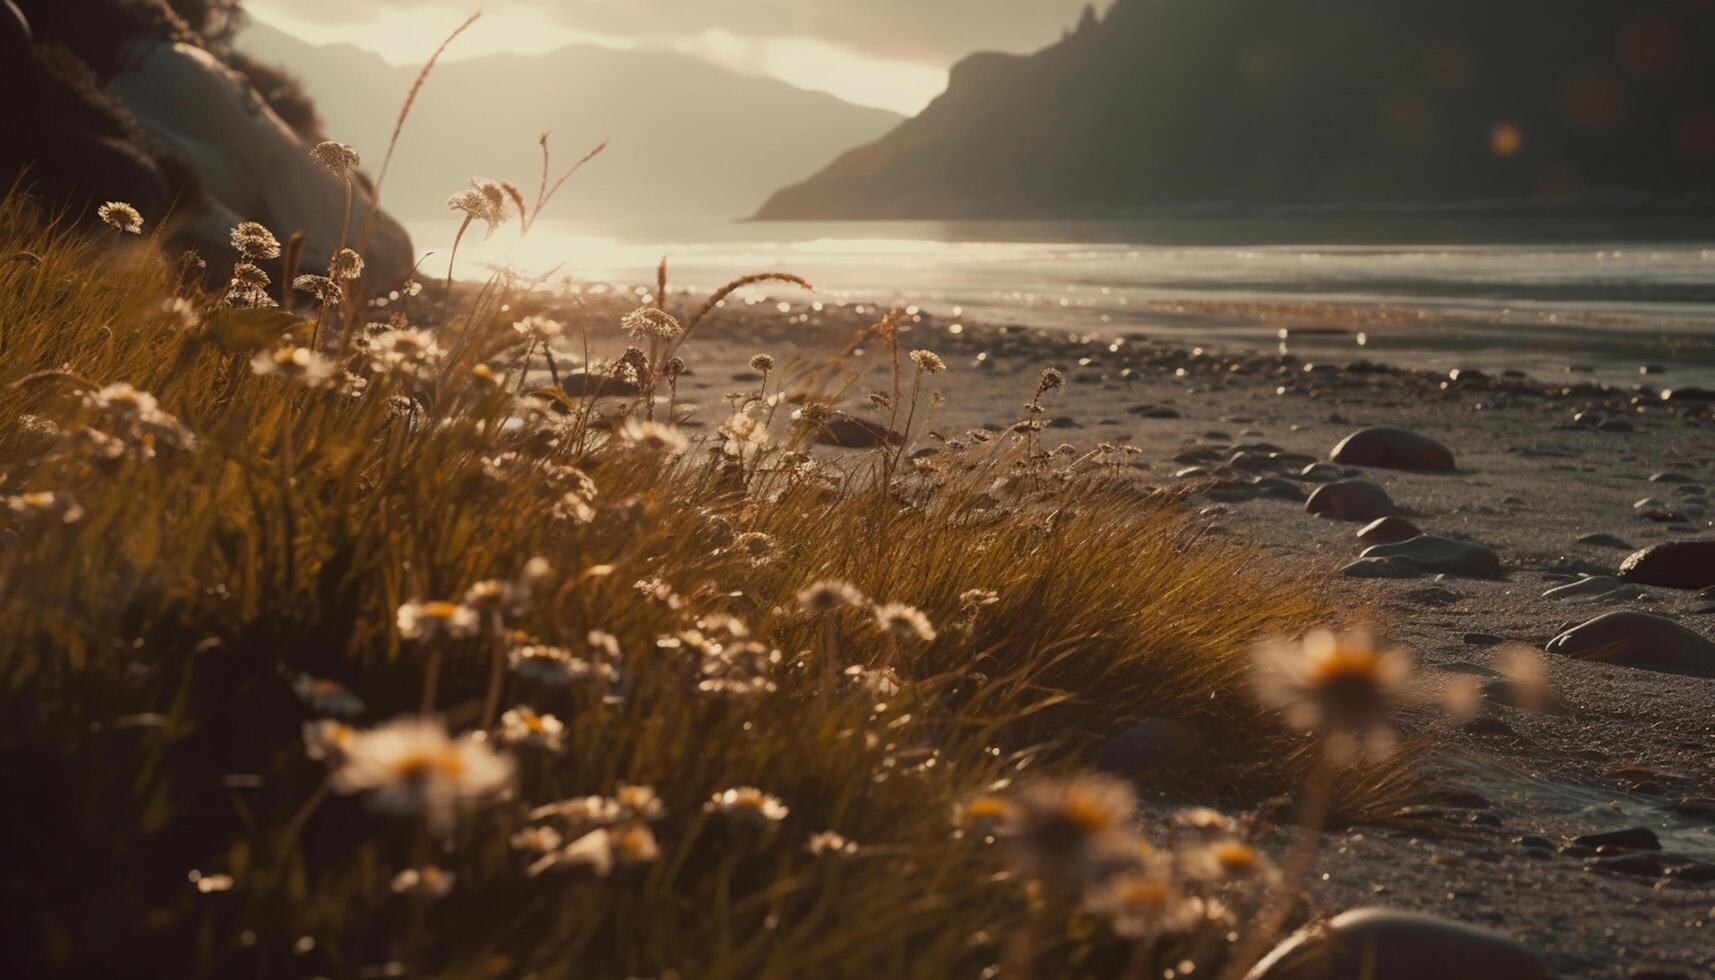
<point>1369,943</point>
<point>1393,448</point>
<point>1675,565</point>
<point>851,432</point>
<point>1430,555</point>
<point>1351,500</point>
<point>1631,639</point>
<point>1154,745</point>
<point>1388,530</point>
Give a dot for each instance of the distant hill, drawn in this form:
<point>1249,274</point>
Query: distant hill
<point>688,138</point>
<point>1248,107</point>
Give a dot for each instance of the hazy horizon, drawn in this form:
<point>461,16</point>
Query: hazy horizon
<point>891,56</point>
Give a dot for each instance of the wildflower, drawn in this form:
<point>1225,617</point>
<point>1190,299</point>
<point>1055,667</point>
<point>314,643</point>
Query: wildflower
<point>1064,827</point>
<point>337,157</point>
<point>573,507</point>
<point>346,265</point>
<point>405,351</point>
<point>929,361</point>
<point>540,839</point>
<point>744,437</point>
<point>127,219</point>
<point>829,596</point>
<point>328,741</point>
<point>413,766</point>
<point>423,622</point>
<point>539,328</point>
<point>44,505</point>
<point>581,813</point>
<point>880,682</point>
<point>425,882</point>
<point>762,363</point>
<point>603,849</point>
<point>1144,906</point>
<point>654,437</point>
<point>142,416</point>
<point>254,242</point>
<point>325,290</point>
<point>984,813</point>
<point>1230,862</point>
<point>183,313</point>
<point>640,802</point>
<point>650,323</point>
<point>904,622</point>
<point>208,884</point>
<point>523,726</point>
<point>748,804</point>
<point>326,697</point>
<point>1205,822</point>
<point>294,364</point>
<point>249,288</point>
<point>484,201</point>
<point>1051,379</point>
<point>1339,686</point>
<point>739,669</point>
<point>555,666</point>
<point>755,547</point>
<point>491,596</point>
<point>829,844</point>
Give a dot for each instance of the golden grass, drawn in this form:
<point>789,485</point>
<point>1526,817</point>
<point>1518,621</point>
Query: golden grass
<point>148,652</point>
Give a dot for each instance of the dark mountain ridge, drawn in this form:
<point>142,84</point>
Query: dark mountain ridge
<point>1245,107</point>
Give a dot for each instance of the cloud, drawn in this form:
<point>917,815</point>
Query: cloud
<point>931,31</point>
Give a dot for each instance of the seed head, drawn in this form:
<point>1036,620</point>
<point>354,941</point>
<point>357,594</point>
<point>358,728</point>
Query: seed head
<point>929,361</point>
<point>254,242</point>
<point>337,157</point>
<point>127,219</point>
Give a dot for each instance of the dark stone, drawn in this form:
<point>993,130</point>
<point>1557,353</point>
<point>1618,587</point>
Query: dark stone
<point>1489,726</point>
<point>1636,838</point>
<point>1379,568</point>
<point>1700,873</point>
<point>583,384</point>
<point>1604,541</point>
<point>1155,412</point>
<point>851,432</point>
<point>1533,840</point>
<point>1683,395</point>
<point>1392,448</point>
<point>1153,746</point>
<point>1674,565</point>
<point>1365,944</point>
<point>1641,865</point>
<point>1483,639</point>
<point>1388,530</point>
<point>1351,500</point>
<point>1278,489</point>
<point>1638,640</point>
<point>1616,424</point>
<point>1431,555</point>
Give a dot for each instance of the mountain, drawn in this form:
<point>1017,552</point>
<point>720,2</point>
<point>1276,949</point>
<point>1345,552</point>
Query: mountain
<point>1246,107</point>
<point>687,138</point>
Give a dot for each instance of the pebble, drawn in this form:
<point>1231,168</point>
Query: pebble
<point>1374,942</point>
<point>1429,555</point>
<point>1351,500</point>
<point>1155,412</point>
<point>1631,639</point>
<point>1592,588</point>
<point>1388,530</point>
<point>1393,448</point>
<point>1483,639</point>
<point>1675,565</point>
<point>1322,473</point>
<point>1636,838</point>
<point>1630,864</point>
<point>1605,541</point>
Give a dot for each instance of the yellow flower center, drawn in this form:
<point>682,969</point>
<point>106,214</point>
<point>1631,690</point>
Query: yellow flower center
<point>1144,893</point>
<point>1236,857</point>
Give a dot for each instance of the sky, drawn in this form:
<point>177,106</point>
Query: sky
<point>892,54</point>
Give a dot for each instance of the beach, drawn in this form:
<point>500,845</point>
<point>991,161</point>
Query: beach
<point>1540,465</point>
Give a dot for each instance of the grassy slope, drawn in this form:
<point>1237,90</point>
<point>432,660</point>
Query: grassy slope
<point>147,653</point>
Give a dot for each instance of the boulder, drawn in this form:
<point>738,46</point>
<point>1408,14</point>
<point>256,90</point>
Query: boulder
<point>1351,500</point>
<point>1388,530</point>
<point>1639,640</point>
<point>1158,746</point>
<point>1429,555</point>
<point>1367,944</point>
<point>1675,565</point>
<point>1392,448</point>
<point>851,432</point>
